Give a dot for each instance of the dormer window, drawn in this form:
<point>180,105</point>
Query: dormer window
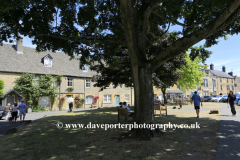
<point>85,68</point>
<point>47,61</point>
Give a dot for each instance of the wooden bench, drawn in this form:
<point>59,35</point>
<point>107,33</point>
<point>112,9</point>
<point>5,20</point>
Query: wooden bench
<point>123,112</point>
<point>157,106</point>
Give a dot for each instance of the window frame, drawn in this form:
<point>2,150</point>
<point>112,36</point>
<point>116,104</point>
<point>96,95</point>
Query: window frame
<point>88,81</point>
<point>125,97</point>
<point>40,99</point>
<point>107,98</point>
<point>69,82</point>
<point>85,68</point>
<point>89,97</point>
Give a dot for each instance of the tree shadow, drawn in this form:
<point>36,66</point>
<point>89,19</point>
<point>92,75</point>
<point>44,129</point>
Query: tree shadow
<point>43,140</point>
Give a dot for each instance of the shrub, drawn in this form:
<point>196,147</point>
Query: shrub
<point>70,89</point>
<point>38,109</point>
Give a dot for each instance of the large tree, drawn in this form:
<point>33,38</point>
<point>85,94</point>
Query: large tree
<point>96,29</point>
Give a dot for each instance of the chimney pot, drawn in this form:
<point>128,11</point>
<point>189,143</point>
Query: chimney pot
<point>211,66</point>
<point>224,69</point>
<point>19,45</point>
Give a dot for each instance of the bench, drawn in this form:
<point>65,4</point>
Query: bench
<point>157,106</point>
<point>123,112</point>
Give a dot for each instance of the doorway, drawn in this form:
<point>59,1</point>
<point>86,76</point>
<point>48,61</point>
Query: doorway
<point>117,100</point>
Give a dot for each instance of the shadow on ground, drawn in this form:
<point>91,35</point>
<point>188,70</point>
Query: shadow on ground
<point>43,140</point>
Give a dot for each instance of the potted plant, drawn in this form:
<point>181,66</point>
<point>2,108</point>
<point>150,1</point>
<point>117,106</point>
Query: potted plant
<point>70,89</point>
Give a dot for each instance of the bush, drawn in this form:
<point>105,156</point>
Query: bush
<point>70,89</point>
<point>38,109</point>
<point>1,84</point>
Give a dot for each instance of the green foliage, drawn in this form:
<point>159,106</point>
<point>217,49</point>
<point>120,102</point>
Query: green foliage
<point>32,92</point>
<point>1,87</point>
<point>30,101</point>
<point>191,74</point>
<point>59,79</point>
<point>38,109</point>
<point>24,85</point>
<point>70,89</point>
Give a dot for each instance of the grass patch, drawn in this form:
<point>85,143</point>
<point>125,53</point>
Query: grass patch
<point>42,140</point>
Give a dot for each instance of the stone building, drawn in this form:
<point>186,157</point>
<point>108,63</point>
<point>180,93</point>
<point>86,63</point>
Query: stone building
<point>17,59</point>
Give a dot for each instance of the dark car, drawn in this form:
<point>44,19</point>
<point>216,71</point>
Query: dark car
<point>224,98</point>
<point>2,113</point>
<point>206,98</point>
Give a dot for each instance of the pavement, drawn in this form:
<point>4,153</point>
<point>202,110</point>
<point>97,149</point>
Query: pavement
<point>6,125</point>
<point>229,135</point>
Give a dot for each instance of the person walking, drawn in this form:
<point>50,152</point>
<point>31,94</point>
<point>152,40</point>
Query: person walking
<point>14,112</point>
<point>197,99</point>
<point>7,111</point>
<point>232,100</point>
<point>70,102</point>
<point>22,112</point>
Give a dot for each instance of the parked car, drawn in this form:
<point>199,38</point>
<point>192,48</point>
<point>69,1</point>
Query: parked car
<point>2,113</point>
<point>217,98</point>
<point>206,98</point>
<point>224,98</point>
<point>237,98</point>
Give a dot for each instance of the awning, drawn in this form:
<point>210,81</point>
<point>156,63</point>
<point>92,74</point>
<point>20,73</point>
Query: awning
<point>174,91</point>
<point>11,91</point>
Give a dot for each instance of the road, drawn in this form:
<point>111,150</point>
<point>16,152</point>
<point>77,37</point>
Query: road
<point>6,125</point>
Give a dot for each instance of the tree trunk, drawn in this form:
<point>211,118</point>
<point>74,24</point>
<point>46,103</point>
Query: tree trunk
<point>164,97</point>
<point>143,109</point>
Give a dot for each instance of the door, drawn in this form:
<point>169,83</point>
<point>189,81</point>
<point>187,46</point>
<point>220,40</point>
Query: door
<point>160,97</point>
<point>68,96</point>
<point>10,99</point>
<point>117,100</point>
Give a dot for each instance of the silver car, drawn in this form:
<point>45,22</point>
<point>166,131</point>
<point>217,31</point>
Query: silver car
<point>217,98</point>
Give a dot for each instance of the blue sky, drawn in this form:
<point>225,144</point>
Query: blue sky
<point>225,53</point>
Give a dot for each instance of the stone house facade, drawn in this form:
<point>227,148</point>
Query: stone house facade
<point>17,59</point>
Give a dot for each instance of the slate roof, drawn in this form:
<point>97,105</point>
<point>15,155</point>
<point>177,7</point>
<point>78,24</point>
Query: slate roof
<point>10,91</point>
<point>220,74</point>
<point>31,61</point>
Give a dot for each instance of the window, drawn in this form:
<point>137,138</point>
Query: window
<point>70,82</point>
<point>55,83</point>
<point>155,96</point>
<point>232,88</point>
<point>88,83</point>
<point>228,88</point>
<point>48,61</point>
<point>44,101</point>
<point>156,88</point>
<point>231,80</point>
<point>221,87</point>
<point>85,68</point>
<point>126,97</point>
<point>36,80</point>
<point>205,93</point>
<point>220,80</point>
<point>214,83</point>
<point>107,99</point>
<point>214,93</point>
<point>237,81</point>
<point>205,83</point>
<point>227,80</point>
<point>89,99</point>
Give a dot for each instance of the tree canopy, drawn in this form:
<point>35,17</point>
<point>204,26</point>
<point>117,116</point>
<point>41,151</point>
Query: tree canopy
<point>101,29</point>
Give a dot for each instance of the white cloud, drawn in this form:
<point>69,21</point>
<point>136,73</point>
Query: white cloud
<point>220,63</point>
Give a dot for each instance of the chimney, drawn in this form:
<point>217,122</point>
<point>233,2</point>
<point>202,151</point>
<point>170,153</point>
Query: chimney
<point>211,66</point>
<point>205,66</point>
<point>224,69</point>
<point>230,73</point>
<point>19,45</point>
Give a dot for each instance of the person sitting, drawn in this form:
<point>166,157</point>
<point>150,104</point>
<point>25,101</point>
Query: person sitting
<point>157,100</point>
<point>130,113</point>
<point>121,105</point>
